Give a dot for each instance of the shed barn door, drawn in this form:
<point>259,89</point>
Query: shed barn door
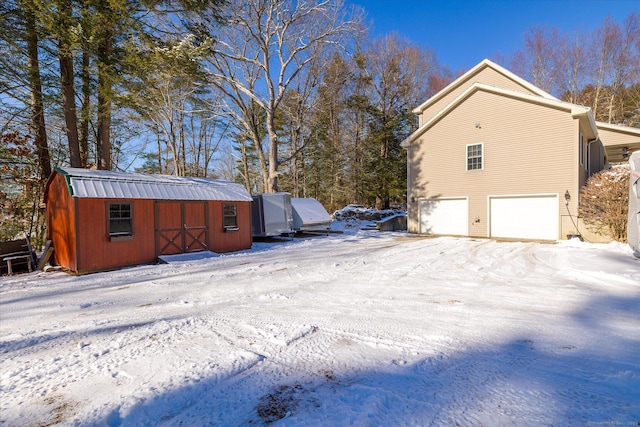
<point>180,227</point>
<point>195,226</point>
<point>169,228</point>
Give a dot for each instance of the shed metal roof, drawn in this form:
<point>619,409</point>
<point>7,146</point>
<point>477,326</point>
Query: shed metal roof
<point>88,183</point>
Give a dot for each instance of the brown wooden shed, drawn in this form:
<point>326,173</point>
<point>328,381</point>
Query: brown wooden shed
<point>103,220</point>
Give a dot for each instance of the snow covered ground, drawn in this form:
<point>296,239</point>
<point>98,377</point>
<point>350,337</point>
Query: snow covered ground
<point>357,329</point>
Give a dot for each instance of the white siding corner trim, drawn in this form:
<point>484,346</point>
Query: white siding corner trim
<point>532,216</point>
<point>448,216</point>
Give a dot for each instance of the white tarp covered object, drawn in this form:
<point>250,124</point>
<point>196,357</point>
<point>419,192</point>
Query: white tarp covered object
<point>633,225</point>
<point>309,215</point>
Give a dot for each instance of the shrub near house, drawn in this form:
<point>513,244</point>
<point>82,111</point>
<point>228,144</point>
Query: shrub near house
<point>604,202</point>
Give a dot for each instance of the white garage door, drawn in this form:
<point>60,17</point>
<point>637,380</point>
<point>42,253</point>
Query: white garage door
<point>531,217</point>
<point>444,216</point>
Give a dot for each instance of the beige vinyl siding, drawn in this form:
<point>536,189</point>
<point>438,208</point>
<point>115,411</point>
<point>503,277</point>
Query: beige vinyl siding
<point>617,140</point>
<point>486,75</point>
<point>611,137</point>
<point>528,149</point>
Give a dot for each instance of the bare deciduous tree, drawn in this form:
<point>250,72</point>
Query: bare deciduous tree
<point>170,98</point>
<point>571,67</point>
<point>294,121</point>
<point>264,50</point>
<point>625,66</point>
<point>600,70</point>
<point>604,44</point>
<point>539,58</point>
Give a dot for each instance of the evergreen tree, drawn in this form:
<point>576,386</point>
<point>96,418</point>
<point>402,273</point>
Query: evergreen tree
<point>328,151</point>
<point>20,69</point>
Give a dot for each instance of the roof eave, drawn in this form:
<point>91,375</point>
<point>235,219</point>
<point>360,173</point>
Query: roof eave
<point>484,63</point>
<point>618,128</point>
<point>587,114</point>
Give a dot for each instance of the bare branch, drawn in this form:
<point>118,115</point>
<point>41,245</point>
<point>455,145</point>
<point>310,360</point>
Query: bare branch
<point>268,47</point>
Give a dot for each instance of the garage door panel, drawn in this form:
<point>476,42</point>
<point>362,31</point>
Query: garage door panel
<point>527,217</point>
<point>444,216</point>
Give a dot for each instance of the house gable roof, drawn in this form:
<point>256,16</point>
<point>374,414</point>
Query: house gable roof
<point>469,75</point>
<point>583,113</point>
<point>86,183</point>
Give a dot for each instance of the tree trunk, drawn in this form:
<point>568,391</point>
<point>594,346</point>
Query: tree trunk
<point>272,178</point>
<point>253,128</point>
<point>68,103</point>
<point>159,142</point>
<point>245,166</point>
<point>262,160</point>
<point>172,144</point>
<point>65,56</point>
<point>85,111</point>
<point>104,100</point>
<point>37,105</point>
<point>183,152</point>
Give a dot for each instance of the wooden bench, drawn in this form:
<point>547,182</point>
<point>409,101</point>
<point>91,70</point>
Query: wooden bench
<point>16,255</point>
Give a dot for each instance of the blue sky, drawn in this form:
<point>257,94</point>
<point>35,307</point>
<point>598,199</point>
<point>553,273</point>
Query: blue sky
<point>464,32</point>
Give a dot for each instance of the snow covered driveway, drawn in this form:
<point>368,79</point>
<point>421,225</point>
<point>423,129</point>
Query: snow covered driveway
<point>358,329</point>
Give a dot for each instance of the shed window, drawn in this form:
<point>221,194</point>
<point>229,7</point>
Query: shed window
<point>229,215</point>
<point>120,219</point>
<point>474,156</point>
